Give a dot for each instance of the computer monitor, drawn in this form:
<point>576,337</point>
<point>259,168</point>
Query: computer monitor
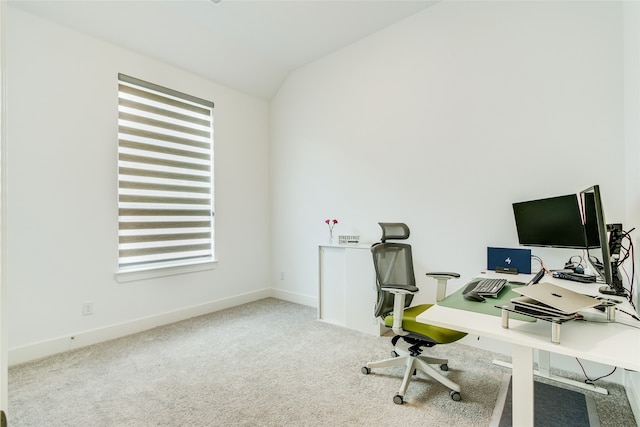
<point>554,222</point>
<point>574,221</point>
<point>592,212</point>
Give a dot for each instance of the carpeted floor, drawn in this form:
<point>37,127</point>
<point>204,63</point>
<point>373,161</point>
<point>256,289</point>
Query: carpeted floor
<point>267,363</point>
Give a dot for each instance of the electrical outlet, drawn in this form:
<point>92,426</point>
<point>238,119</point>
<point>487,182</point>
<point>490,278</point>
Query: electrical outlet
<point>87,308</point>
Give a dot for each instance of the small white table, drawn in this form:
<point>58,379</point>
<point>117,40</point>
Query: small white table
<point>347,291</point>
<point>613,344</point>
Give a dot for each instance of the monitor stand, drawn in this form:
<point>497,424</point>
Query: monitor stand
<point>616,287</point>
<point>608,290</point>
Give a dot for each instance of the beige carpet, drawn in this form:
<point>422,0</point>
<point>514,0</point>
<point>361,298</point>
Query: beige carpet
<point>268,363</point>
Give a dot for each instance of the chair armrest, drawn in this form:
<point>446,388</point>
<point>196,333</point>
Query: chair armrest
<point>398,310</point>
<point>400,293</point>
<point>396,289</point>
<point>444,274</point>
<point>442,278</point>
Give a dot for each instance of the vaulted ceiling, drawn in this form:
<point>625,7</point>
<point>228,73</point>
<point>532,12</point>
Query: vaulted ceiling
<point>251,46</point>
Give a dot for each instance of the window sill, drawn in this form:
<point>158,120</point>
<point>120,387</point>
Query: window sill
<point>124,276</point>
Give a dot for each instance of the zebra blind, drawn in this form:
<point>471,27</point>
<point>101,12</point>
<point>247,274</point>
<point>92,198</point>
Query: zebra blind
<point>165,174</point>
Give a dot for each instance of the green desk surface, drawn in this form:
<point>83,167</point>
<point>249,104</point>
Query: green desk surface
<point>455,300</point>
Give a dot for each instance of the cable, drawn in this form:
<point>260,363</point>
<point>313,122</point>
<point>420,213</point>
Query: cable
<point>625,250</point>
<point>633,276</point>
<point>591,381</point>
<point>629,314</point>
<point>627,253</point>
<point>537,258</point>
<point>571,264</point>
<point>630,254</point>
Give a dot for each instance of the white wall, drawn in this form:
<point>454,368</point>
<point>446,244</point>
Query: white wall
<point>62,201</point>
<point>443,121</point>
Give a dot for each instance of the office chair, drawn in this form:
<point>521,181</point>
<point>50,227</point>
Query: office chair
<point>396,286</point>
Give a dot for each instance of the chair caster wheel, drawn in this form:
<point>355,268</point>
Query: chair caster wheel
<point>365,370</point>
<point>444,367</point>
<point>455,395</point>
<point>397,399</point>
<point>394,354</point>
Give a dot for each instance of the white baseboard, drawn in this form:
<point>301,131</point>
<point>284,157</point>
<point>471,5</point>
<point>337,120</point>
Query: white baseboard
<point>632,386</point>
<point>310,301</point>
<point>84,338</point>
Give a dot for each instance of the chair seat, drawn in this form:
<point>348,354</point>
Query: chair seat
<point>436,333</point>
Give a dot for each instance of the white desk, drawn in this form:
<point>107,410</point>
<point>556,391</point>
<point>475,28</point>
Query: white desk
<point>612,344</point>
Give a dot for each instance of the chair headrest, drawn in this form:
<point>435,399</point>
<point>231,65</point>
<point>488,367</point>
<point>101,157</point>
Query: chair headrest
<point>394,230</point>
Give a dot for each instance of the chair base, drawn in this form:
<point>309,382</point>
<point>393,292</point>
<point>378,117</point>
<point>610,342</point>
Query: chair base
<point>412,363</point>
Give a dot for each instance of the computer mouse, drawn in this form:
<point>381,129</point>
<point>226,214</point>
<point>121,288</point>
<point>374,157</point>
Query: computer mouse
<point>473,296</point>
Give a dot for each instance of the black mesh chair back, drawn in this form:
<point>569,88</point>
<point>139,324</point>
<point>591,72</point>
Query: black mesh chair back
<point>393,264</point>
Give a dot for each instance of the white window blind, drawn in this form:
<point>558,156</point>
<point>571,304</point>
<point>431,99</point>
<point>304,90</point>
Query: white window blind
<point>165,177</point>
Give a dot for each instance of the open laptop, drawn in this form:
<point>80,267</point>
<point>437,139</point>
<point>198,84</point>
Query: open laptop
<point>499,259</point>
<point>559,298</point>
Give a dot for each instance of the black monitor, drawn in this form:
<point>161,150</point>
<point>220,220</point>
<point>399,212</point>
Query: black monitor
<point>593,217</point>
<point>574,221</point>
<point>554,222</point>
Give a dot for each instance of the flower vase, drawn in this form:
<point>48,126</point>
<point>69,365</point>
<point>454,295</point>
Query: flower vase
<point>331,237</point>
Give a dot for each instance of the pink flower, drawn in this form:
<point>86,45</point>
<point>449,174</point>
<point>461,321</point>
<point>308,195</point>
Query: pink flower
<point>331,223</point>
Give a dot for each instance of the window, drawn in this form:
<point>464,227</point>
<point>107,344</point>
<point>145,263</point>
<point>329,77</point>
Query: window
<point>165,177</point>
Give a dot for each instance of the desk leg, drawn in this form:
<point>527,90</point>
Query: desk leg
<point>544,363</point>
<point>522,383</point>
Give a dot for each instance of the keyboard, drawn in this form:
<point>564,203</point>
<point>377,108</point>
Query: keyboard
<point>487,287</point>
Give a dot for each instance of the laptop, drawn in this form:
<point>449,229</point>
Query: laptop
<point>506,259</point>
<point>559,298</point>
<point>531,307</point>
